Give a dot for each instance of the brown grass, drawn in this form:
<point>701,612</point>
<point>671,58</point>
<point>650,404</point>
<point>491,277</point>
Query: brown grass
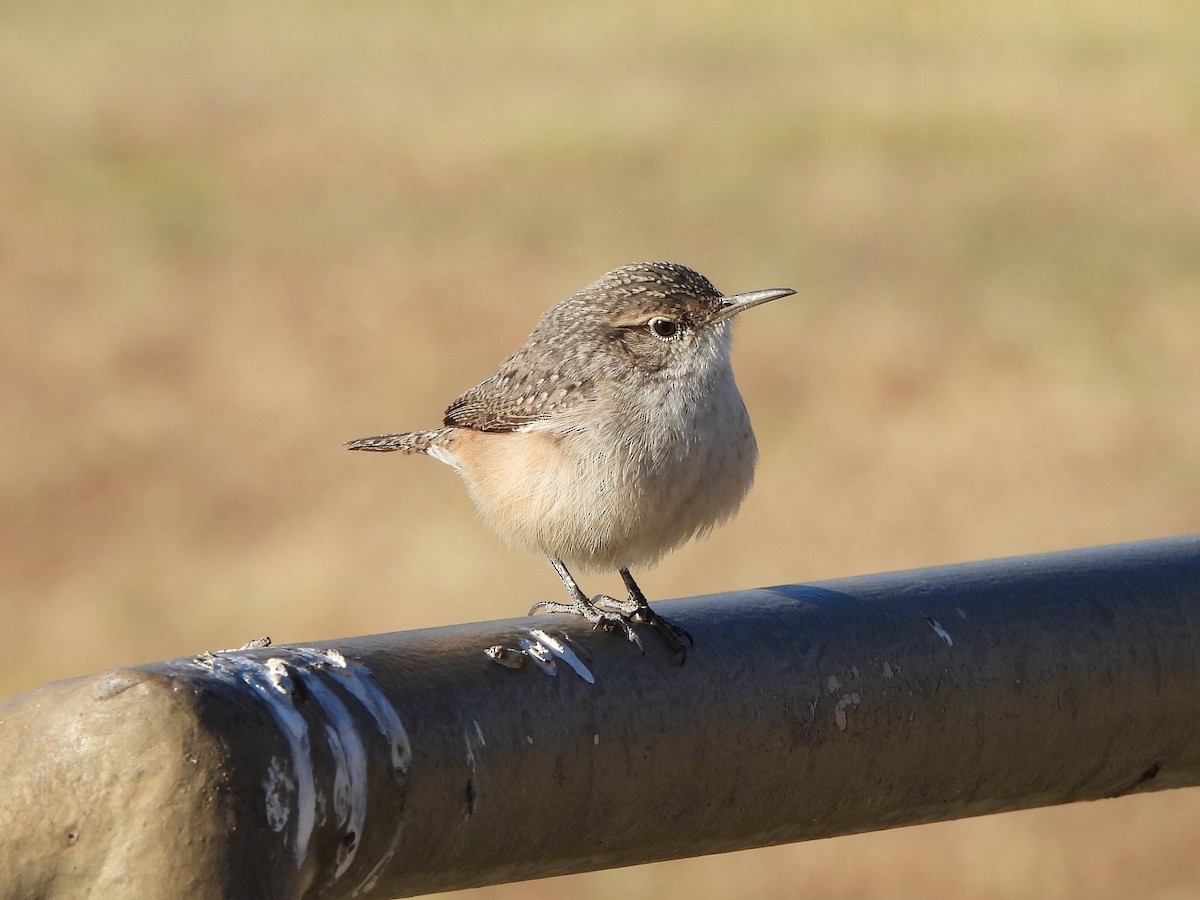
<point>233,235</point>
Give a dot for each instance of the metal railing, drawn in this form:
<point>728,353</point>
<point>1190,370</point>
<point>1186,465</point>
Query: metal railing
<point>408,763</point>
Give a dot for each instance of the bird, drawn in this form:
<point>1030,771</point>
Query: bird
<point>614,435</point>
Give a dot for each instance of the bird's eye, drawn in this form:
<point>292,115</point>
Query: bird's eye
<point>664,328</point>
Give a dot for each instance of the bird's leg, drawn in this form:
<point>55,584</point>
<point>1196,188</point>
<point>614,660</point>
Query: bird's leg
<point>591,610</point>
<point>637,607</point>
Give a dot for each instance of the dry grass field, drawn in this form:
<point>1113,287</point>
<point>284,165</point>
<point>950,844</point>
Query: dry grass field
<point>233,235</point>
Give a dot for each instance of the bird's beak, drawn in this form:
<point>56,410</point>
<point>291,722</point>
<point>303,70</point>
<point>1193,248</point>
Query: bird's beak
<point>731,306</point>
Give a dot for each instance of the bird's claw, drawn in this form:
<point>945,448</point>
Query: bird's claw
<point>595,613</point>
<point>673,634</point>
<point>639,611</point>
<point>610,614</point>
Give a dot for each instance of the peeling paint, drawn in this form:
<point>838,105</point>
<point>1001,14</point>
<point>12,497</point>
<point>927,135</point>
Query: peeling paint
<point>846,701</point>
<point>508,657</point>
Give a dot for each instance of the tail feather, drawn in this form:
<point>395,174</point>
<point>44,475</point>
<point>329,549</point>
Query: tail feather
<point>409,442</point>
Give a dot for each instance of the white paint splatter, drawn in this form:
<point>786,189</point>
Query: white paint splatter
<point>473,737</point>
<point>271,682</point>
<point>563,652</point>
<point>289,784</point>
<point>543,650</point>
<point>349,769</point>
<point>940,631</point>
<point>358,681</point>
<point>541,655</point>
<point>280,790</point>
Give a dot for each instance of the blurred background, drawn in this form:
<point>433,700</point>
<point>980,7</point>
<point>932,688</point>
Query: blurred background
<point>234,235</point>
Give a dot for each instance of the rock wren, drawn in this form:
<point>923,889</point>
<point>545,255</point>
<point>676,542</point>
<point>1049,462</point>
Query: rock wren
<point>614,435</point>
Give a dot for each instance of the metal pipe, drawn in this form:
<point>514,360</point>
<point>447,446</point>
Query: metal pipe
<point>408,763</point>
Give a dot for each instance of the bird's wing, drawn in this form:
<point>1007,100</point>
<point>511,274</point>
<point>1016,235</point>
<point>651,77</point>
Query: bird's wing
<point>517,397</point>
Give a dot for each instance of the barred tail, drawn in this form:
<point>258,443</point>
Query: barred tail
<point>409,442</point>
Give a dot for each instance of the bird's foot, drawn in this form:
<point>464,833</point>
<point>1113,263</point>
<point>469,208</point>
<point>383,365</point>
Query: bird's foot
<point>639,611</point>
<point>599,613</point>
